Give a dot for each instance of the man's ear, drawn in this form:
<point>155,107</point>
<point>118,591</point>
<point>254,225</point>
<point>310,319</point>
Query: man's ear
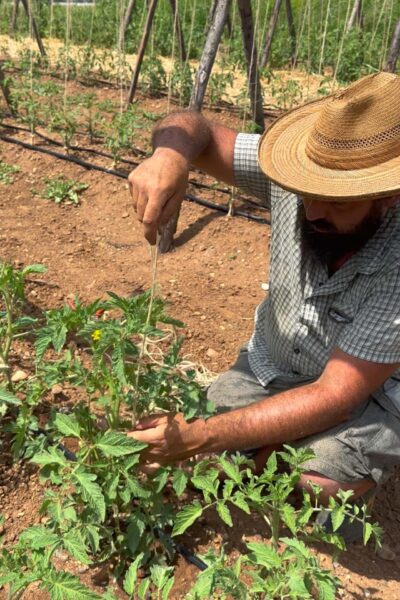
<point>392,201</point>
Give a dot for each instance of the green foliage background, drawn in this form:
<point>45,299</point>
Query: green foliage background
<point>360,51</point>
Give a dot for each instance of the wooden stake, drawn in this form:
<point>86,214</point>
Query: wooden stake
<point>125,24</point>
<point>6,90</point>
<point>394,50</point>
<point>178,31</point>
<point>220,10</point>
<point>14,17</point>
<point>356,15</point>
<point>35,29</point>
<point>250,49</point>
<point>141,51</point>
<point>270,33</point>
<point>292,33</point>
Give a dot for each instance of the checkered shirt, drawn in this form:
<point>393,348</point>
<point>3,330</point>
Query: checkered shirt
<point>307,313</point>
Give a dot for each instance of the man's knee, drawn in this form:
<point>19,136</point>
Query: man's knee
<point>330,487</point>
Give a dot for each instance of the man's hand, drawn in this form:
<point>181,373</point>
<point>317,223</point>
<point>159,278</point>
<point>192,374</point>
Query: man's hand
<point>170,437</point>
<point>157,188</point>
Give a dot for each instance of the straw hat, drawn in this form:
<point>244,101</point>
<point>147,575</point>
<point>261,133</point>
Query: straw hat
<point>343,147</point>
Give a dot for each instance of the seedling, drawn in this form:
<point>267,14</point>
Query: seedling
<point>62,190</point>
<point>7,172</point>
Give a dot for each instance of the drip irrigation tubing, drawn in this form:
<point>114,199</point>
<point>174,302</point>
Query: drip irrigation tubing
<point>179,548</point>
<point>91,166</point>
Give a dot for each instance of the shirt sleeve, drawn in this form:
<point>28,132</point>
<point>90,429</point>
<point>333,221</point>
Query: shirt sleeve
<point>374,334</point>
<point>247,173</point>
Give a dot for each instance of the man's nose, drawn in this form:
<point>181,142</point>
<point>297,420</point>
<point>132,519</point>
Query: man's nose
<point>315,209</point>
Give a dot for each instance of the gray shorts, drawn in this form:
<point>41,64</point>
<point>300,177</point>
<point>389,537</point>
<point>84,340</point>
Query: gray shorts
<point>367,446</point>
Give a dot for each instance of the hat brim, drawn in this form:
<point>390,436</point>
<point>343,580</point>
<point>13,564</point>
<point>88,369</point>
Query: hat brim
<point>282,156</point>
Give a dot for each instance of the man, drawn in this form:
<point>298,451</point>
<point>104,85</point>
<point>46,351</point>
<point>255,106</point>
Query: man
<point>322,367</point>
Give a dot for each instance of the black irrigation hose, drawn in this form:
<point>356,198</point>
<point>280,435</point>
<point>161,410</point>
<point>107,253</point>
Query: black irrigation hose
<point>128,162</point>
<point>90,166</point>
<point>180,548</point>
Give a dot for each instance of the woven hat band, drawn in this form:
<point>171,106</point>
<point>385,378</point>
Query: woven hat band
<point>359,127</point>
<point>347,154</point>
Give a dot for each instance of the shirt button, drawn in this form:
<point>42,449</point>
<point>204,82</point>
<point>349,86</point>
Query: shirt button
<point>296,350</point>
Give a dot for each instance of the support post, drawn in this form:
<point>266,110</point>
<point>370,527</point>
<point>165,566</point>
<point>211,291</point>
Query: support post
<point>250,50</point>
<point>35,29</point>
<point>355,16</point>
<point>125,23</point>
<point>394,50</point>
<point>14,17</point>
<point>221,10</point>
<point>5,89</point>
<point>178,31</point>
<point>141,51</point>
<point>292,32</point>
<point>270,33</point>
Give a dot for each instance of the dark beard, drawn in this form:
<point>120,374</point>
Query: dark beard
<point>330,245</point>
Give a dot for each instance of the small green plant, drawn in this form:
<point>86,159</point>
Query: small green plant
<point>121,132</point>
<point>7,172</point>
<point>217,86</point>
<point>181,82</point>
<point>153,77</point>
<point>62,190</point>
<point>13,323</point>
<point>287,93</point>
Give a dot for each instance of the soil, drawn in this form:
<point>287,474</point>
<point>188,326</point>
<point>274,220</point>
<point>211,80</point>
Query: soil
<point>212,280</point>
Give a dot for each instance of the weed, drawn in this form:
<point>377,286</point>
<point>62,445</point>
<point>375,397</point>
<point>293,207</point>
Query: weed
<point>7,171</point>
<point>62,190</point>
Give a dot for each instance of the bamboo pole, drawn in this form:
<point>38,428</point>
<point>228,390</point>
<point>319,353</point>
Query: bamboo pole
<point>394,50</point>
<point>35,30</point>
<point>6,89</point>
<point>178,30</point>
<point>213,39</point>
<point>250,48</point>
<point>125,24</point>
<point>141,51</point>
<point>292,33</point>
<point>270,33</point>
<point>355,16</point>
<point>14,17</point>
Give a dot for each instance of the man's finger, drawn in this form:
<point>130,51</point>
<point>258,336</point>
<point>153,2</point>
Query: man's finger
<point>149,422</point>
<point>170,208</point>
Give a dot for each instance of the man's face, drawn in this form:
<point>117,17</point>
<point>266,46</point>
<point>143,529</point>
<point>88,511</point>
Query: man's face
<point>332,229</point>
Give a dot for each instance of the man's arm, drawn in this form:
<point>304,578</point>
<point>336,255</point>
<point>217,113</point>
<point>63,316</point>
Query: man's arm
<point>158,185</point>
<point>291,415</point>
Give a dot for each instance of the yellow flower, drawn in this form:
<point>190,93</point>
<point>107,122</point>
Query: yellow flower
<point>96,335</point>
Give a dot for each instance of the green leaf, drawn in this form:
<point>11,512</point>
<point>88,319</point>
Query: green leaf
<point>52,456</point>
<point>186,517</point>
<point>134,533</point>
<point>367,532</point>
<point>297,586</point>
<point>35,268</point>
<point>131,575</point>
<point>264,555</point>
<point>67,425</point>
<point>143,587</point>
<point>91,493</point>
<point>206,484</point>
<point>64,586</point>
<point>179,481</point>
<point>239,500</point>
<point>288,514</point>
<point>337,517</point>
<point>299,548</point>
<point>159,575</point>
<point>327,586</point>
<point>39,537</point>
<point>74,544</point>
<point>230,469</point>
<point>115,443</point>
<point>8,397</point>
<point>92,537</point>
<point>224,513</point>
<point>167,588</point>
